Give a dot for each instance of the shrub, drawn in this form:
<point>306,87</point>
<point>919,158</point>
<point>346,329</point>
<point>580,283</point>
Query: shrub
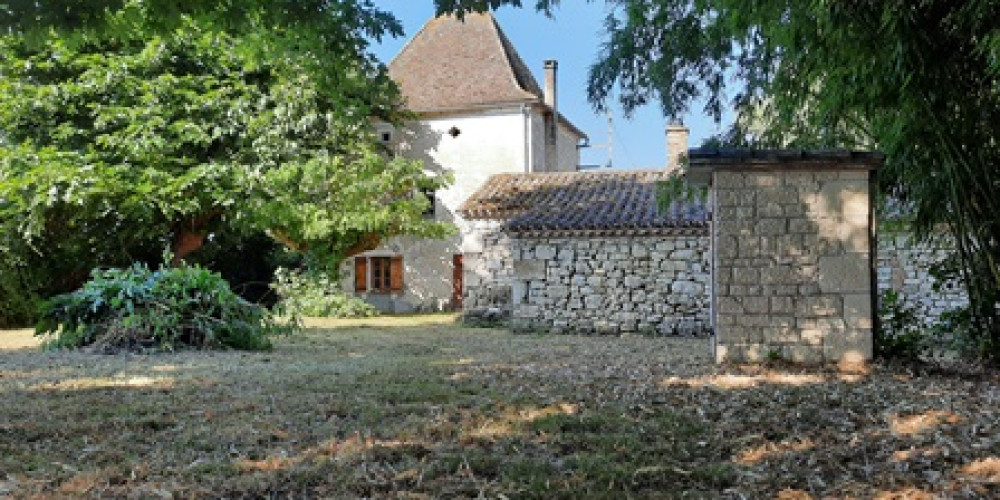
<point>899,335</point>
<point>136,308</point>
<point>304,293</point>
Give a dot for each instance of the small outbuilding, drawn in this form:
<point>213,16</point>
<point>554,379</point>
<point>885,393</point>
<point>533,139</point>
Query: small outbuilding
<point>793,253</point>
<point>587,252</point>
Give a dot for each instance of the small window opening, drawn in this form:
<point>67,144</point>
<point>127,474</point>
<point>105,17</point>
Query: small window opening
<point>431,199</point>
<point>454,132</point>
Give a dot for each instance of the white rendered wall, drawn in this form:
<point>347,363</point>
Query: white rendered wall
<point>488,142</point>
<point>568,153</point>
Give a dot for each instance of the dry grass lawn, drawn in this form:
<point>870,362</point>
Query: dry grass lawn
<point>420,408</point>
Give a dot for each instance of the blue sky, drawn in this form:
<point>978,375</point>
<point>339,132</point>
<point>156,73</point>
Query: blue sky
<point>572,37</point>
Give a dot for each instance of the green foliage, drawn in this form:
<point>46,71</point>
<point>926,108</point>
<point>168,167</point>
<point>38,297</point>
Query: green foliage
<point>129,126</point>
<point>305,293</point>
<point>676,189</point>
<point>916,80</point>
<point>899,334</point>
<point>136,308</point>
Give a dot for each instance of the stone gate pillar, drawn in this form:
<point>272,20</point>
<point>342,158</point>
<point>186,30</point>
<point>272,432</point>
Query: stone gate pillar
<point>792,253</point>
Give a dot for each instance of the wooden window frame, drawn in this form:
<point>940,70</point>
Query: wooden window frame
<point>378,274</point>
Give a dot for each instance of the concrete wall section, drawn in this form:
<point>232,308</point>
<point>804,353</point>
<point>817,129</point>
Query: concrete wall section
<point>792,265</point>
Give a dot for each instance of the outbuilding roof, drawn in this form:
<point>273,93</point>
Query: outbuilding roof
<point>615,202</point>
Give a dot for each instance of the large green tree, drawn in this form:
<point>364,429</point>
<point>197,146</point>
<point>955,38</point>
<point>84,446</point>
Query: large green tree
<point>133,125</point>
<point>918,80</point>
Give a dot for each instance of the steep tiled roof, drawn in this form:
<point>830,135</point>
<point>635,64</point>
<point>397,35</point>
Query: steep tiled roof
<point>454,64</point>
<point>575,202</point>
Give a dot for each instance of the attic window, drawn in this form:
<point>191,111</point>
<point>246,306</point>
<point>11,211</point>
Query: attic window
<point>454,131</point>
<point>386,136</point>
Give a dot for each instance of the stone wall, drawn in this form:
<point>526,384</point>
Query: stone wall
<point>488,274</point>
<point>593,284</point>
<point>792,260</point>
<point>904,266</point>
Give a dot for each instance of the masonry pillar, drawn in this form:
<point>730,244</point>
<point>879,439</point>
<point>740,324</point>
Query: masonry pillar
<point>792,249</point>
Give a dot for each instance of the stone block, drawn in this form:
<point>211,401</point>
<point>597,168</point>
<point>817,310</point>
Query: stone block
<point>839,198</point>
<point>858,311</point>
<point>634,281</point>
<point>558,291</point>
<point>471,279</point>
<point>603,327</point>
<point>755,305</point>
<point>765,227</point>
<point>848,273</point>
<point>545,252</point>
<point>782,305</point>
<point>802,354</point>
<point>639,251</point>
<point>785,196</point>
<point>764,179</point>
<point>684,255</point>
<point>755,321</point>
<point>813,336</point>
<point>779,335</point>
<point>817,306</point>
<point>724,353</point>
<point>727,181</point>
<point>755,353</point>
<point>745,276</point>
<point>853,175</point>
<point>780,275</point>
<point>806,182</point>
<point>729,305</point>
<point>770,209</point>
<point>688,288</point>
<point>802,226</point>
<point>794,210</point>
<point>852,346</point>
<point>826,325</point>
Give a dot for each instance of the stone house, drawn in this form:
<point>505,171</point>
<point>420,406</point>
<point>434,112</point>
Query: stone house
<point>480,112</point>
<point>587,252</point>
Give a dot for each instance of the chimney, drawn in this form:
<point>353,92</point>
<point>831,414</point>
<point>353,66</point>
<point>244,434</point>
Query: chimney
<point>677,146</point>
<point>551,117</point>
<point>551,67</point>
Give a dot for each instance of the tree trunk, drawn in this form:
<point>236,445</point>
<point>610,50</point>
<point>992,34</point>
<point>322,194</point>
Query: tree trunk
<point>189,236</point>
<point>367,242</point>
<point>185,243</point>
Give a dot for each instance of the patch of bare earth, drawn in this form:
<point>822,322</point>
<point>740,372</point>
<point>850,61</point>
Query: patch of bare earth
<point>420,408</point>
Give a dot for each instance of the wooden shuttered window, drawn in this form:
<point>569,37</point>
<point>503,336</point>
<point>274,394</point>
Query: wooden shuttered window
<point>384,273</point>
<point>360,274</point>
<point>396,274</point>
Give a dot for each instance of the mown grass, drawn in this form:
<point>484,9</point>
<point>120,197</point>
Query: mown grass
<point>376,408</point>
<point>419,407</point>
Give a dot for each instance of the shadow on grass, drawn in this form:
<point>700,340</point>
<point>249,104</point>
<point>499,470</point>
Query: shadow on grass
<point>432,410</point>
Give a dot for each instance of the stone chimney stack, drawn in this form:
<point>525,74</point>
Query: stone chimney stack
<point>551,68</point>
<point>677,145</point>
<point>551,117</point>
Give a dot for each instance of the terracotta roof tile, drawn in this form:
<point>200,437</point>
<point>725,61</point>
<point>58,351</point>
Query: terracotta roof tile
<point>453,64</point>
<point>582,201</point>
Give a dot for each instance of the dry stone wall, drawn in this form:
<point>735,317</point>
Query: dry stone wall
<point>654,285</point>
<point>792,265</point>
<point>904,266</point>
<point>488,275</point>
